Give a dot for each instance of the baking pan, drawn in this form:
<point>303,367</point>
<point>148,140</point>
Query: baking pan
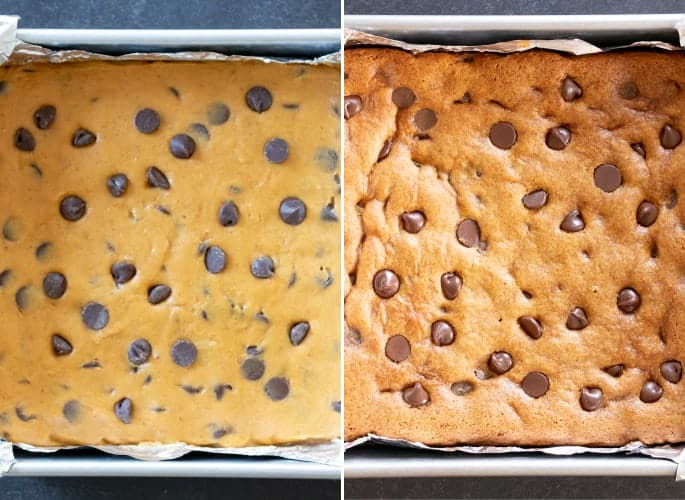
<point>368,461</point>
<point>282,43</point>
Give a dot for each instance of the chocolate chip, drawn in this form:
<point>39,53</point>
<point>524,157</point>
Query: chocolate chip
<point>199,130</point>
<point>218,113</point>
<point>451,284</point>
<point>276,150</point>
<point>54,285</point>
<point>182,146</point>
<point>465,99</point>
<point>672,371</point>
<point>425,119</point>
<point>60,345</point>
<point>614,370</point>
<point>157,178</point>
<point>352,106</point>
<point>531,326</point>
<point>558,138</point>
<point>607,177</point>
<point>639,148</point>
<point>397,348</point>
<point>117,184</point>
<point>139,351</point>
<point>292,211</point>
<point>215,259</point>
<point>468,233</point>
<point>573,222</point>
<point>72,208</point>
<point>651,392</point>
<point>503,135</point>
<point>21,297</point>
<point>44,116</point>
<point>23,416</point>
<point>385,150</point>
<point>36,170</point>
<point>228,214</point>
<point>328,213</point>
<point>82,138</point>
<point>298,332</point>
<point>42,251</point>
<point>5,277</point>
<point>277,388</point>
<point>535,199</point>
<point>252,368</point>
<point>403,97</point>
<point>192,390</point>
<point>577,319</point>
<point>413,222</point>
<point>461,388</point>
<point>71,410</point>
<point>157,294</point>
<point>500,362</point>
<point>10,229</point>
<point>122,272</point>
<point>91,364</point>
<point>220,390</point>
<point>628,90</point>
<point>535,384</point>
<point>95,316</point>
<point>183,353</point>
<point>326,159</point>
<point>162,209</point>
<point>442,333</point>
<point>123,409</point>
<point>258,99</point>
<point>628,300</point>
<point>262,267</point>
<point>219,433</point>
<point>386,283</point>
<point>147,120</point>
<point>591,398</point>
<point>175,92</point>
<point>415,395</point>
<point>325,277</point>
<point>23,140</point>
<point>335,406</point>
<point>669,137</point>
<point>646,213</point>
<point>570,90</point>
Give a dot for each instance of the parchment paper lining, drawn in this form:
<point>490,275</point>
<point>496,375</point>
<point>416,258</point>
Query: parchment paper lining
<point>353,38</point>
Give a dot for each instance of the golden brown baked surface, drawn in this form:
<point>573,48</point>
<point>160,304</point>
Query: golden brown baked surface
<point>236,351</point>
<point>514,310</point>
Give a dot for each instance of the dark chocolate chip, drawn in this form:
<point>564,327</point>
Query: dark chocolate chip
<point>258,99</point>
<point>21,297</point>
<point>535,384</point>
<point>292,210</point>
<point>503,135</point>
<point>591,398</point>
<point>292,280</point>
<point>451,284</point>
<point>328,212</point>
<point>36,170</point>
<point>5,277</point>
<point>415,395</point>
<point>651,392</point>
<point>215,259</point>
<point>639,148</point>
<point>573,222</point>
<point>24,417</point>
<point>95,316</point>
<point>72,208</point>
<point>183,353</point>
<point>71,410</point>
<point>262,267</point>
<point>123,410</point>
<point>43,250</point>
<point>293,105</point>
<point>253,350</point>
<point>325,277</point>
<point>147,120</point>
<point>228,214</point>
<point>607,177</point>
<point>82,138</point>
<point>670,137</point>
<point>397,348</point>
<point>577,319</point>
<point>219,433</point>
<point>335,406</point>
<point>117,184</point>
<point>54,285</point>
<point>91,364</point>
<point>220,390</point>
<point>628,90</point>
<point>614,370</point>
<point>175,92</point>
<point>260,316</point>
<point>200,131</point>
<point>182,146</point>
<point>385,150</point>
<point>192,390</point>
<point>403,97</point>
<point>60,345</point>
<point>425,119</point>
<point>531,326</point>
<point>326,159</point>
<point>570,90</point>
<point>468,233</point>
<point>277,388</point>
<point>558,138</point>
<point>276,150</point>
<point>646,213</point>
<point>386,283</point>
<point>157,178</point>
<point>298,332</point>
<point>252,368</point>
<point>535,199</point>
<point>672,371</point>
<point>442,333</point>
<point>44,116</point>
<point>157,294</point>
<point>139,352</point>
<point>500,362</point>
<point>23,140</point>
<point>465,99</point>
<point>10,229</point>
<point>122,272</point>
<point>413,222</point>
<point>218,113</point>
<point>461,388</point>
<point>353,105</point>
<point>628,300</point>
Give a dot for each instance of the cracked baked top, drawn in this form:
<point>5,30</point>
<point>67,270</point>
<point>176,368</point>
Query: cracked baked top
<point>170,253</point>
<point>514,245</point>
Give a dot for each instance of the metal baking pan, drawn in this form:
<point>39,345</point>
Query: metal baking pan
<point>368,461</point>
<point>286,43</point>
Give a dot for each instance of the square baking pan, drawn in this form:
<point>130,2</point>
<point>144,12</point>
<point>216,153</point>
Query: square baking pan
<point>273,43</point>
<point>380,461</point>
